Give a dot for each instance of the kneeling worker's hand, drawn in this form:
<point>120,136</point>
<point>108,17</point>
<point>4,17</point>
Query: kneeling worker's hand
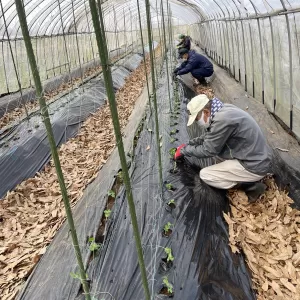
<point>178,153</point>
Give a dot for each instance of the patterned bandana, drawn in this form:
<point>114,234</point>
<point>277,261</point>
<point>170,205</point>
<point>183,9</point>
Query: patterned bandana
<point>216,105</point>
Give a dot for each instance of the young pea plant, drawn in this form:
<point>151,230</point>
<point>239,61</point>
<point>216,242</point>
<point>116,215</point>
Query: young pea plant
<point>167,227</point>
<point>173,131</point>
<point>174,166</point>
<point>172,201</point>
<point>107,213</point>
<point>172,140</point>
<point>168,285</point>
<point>169,186</point>
<point>111,193</point>
<point>93,245</point>
<point>170,256</point>
<point>172,152</point>
<point>120,176</point>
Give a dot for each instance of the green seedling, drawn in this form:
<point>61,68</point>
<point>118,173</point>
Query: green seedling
<point>107,213</point>
<point>172,201</point>
<point>170,256</point>
<point>120,176</point>
<point>167,227</point>
<point>93,245</point>
<point>169,186</point>
<point>173,131</point>
<point>172,140</point>
<point>111,193</point>
<point>168,285</point>
<point>172,152</point>
<point>175,166</point>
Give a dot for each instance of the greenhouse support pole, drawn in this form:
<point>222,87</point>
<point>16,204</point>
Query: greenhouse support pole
<point>244,50</point>
<point>238,47</point>
<point>291,69</point>
<point>77,43</point>
<point>102,28</point>
<point>290,63</point>
<point>156,57</point>
<point>262,63</point>
<point>148,16</point>
<point>166,53</point>
<point>233,57</point>
<point>65,43</point>
<point>114,114</point>
<point>144,54</point>
<point>46,120</point>
<point>252,60</point>
<point>13,60</point>
<point>274,65</point>
<point>170,38</point>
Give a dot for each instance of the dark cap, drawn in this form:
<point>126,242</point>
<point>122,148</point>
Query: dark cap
<point>183,51</point>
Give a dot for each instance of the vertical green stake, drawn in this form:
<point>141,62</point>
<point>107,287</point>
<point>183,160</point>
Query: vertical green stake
<point>166,52</point>
<point>144,54</point>
<point>154,90</point>
<point>102,47</point>
<point>46,120</point>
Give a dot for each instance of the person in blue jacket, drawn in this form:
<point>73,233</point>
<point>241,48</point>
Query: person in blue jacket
<point>185,42</point>
<point>196,64</point>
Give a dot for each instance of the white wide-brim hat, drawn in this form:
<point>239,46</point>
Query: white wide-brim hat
<point>195,105</point>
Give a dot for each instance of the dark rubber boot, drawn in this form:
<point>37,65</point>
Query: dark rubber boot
<point>202,81</point>
<point>252,189</point>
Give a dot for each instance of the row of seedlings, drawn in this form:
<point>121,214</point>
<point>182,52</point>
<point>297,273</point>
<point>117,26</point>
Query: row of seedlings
<point>167,289</point>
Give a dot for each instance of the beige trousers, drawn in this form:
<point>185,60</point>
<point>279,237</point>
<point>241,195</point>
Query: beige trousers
<point>227,174</point>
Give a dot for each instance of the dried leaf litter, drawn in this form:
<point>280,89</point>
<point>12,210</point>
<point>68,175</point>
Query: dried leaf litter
<point>32,213</point>
<point>268,233</point>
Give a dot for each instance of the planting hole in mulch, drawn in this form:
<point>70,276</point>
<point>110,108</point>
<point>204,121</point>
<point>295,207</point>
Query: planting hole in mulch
<point>164,292</point>
<point>165,265</point>
<point>174,131</point>
<point>174,171</point>
<point>166,233</point>
<point>172,189</point>
<point>170,206</point>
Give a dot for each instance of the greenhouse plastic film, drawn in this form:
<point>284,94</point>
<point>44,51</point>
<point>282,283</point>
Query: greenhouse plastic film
<point>203,266</point>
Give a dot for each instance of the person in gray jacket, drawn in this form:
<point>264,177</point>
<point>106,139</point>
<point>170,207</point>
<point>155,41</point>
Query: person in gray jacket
<point>234,136</point>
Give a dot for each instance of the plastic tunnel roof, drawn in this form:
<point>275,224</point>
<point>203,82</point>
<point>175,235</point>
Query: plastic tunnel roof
<point>52,17</point>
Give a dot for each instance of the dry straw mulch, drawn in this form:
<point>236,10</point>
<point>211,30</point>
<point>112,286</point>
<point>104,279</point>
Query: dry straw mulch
<point>268,233</point>
<point>34,211</point>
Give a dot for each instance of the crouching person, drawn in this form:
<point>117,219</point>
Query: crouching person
<point>234,136</point>
<point>196,64</point>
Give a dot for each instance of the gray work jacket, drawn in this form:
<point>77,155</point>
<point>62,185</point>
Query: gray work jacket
<point>234,134</point>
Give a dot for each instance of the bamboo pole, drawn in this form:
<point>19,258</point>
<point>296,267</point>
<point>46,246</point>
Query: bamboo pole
<point>46,120</point>
<point>114,113</point>
<point>154,89</point>
<point>166,52</point>
<point>144,54</point>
